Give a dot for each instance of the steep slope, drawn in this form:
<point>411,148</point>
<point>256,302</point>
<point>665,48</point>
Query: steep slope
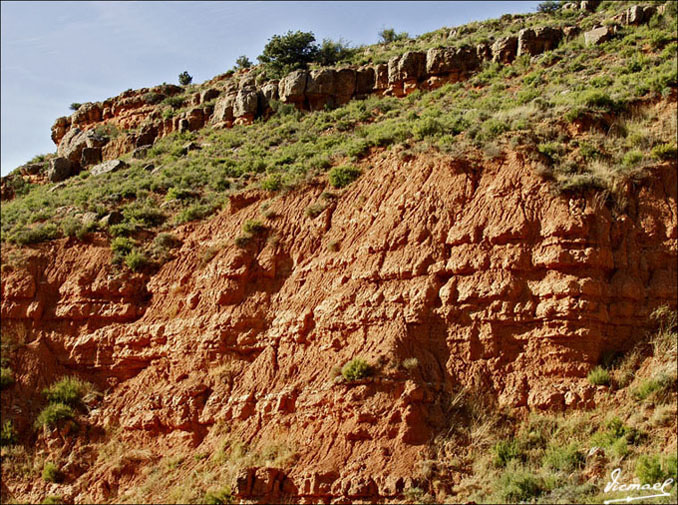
<point>477,271</point>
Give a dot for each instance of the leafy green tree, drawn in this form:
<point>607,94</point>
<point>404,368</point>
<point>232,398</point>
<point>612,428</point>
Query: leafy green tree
<point>388,35</point>
<point>75,106</point>
<point>549,6</point>
<point>242,62</point>
<point>185,78</point>
<point>332,52</point>
<point>285,53</point>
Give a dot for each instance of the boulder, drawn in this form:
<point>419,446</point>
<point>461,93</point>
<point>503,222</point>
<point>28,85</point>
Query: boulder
<point>484,51</point>
<point>195,118</point>
<point>539,40</point>
<point>140,152</point>
<point>76,140</point>
<point>570,32</point>
<point>321,82</point>
<point>344,87</point>
<point>223,109</point>
<point>504,50</point>
<point>107,167</point>
<point>59,128</point>
<point>270,91</point>
<point>292,88</point>
<point>441,61</point>
<point>411,66</point>
<point>90,156</point>
<point>381,77</point>
<point>32,168</point>
<point>598,35</point>
<point>589,5</point>
<point>87,113</point>
<point>638,14</point>
<point>365,81</point>
<point>59,169</point>
<point>208,94</point>
<point>246,102</point>
<point>114,217</point>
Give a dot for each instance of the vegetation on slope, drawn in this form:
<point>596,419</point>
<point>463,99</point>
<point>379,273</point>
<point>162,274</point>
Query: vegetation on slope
<point>579,112</point>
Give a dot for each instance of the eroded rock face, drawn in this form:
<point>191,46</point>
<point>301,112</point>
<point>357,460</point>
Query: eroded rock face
<point>504,50</point>
<point>539,40</point>
<point>474,270</point>
<point>292,88</point>
<point>598,35</point>
<point>59,169</point>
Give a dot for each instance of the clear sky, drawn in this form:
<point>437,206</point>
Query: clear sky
<point>56,53</point>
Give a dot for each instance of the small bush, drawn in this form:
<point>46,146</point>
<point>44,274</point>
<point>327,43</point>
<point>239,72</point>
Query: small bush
<point>565,459</point>
<point>272,183</point>
<point>7,434</point>
<point>6,377</point>
<point>665,152</point>
<point>253,227</point>
<point>315,209</point>
<point>220,497</point>
<point>520,486</point>
<point>185,78</point>
<point>136,260</point>
<point>54,414</point>
<point>506,451</point>
<point>176,102</point>
<point>356,369</point>
<point>658,387</point>
<point>343,176</point>
<point>632,158</point>
<point>69,391</point>
<point>121,246</point>
<point>599,377</point>
<point>650,469</point>
<point>194,212</point>
<point>243,241</point>
<point>40,233</point>
<point>166,241</point>
<point>51,473</point>
<point>52,500</point>
<point>75,106</point>
<point>388,35</point>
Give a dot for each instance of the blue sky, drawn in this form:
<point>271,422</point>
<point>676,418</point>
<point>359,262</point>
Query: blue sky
<point>56,53</point>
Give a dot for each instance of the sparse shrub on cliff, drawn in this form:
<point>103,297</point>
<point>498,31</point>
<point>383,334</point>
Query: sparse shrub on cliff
<point>219,497</point>
<point>75,106</point>
<point>243,241</point>
<point>253,227</point>
<point>196,211</point>
<point>36,234</point>
<point>519,485</point>
<point>69,391</point>
<point>272,183</point>
<point>6,377</point>
<point>7,434</point>
<point>665,152</point>
<point>389,35</point>
<point>52,500</point>
<point>356,369</point>
<point>599,377</point>
<point>51,473</point>
<point>185,78</point>
<point>53,414</point>
<point>505,451</point>
<point>176,102</point>
<point>121,247</point>
<point>332,52</point>
<point>242,62</point>
<point>136,260</point>
<point>655,468</point>
<point>566,459</point>
<point>315,209</point>
<point>343,175</point>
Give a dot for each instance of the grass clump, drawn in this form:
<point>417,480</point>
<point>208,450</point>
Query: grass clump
<point>51,473</point>
<point>599,377</point>
<point>136,260</point>
<point>68,391</point>
<point>518,485</point>
<point>54,414</point>
<point>505,451</point>
<point>7,434</point>
<point>356,369</point>
<point>342,176</point>
<point>6,377</point>
<point>564,459</point>
<point>253,227</point>
<point>658,387</point>
<point>218,497</point>
<point>665,152</point>
<point>652,469</point>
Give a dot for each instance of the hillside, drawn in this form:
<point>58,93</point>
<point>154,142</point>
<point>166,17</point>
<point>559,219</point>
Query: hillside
<point>444,270</point>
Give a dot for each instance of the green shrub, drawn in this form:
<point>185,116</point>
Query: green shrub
<point>69,391</point>
<point>52,500</point>
<point>136,260</point>
<point>75,106</point>
<point>356,369</point>
<point>285,53</point>
<point>220,497</point>
<point>253,227</point>
<point>649,469</point>
<point>632,158</point>
<point>178,194</point>
<point>51,472</point>
<point>427,127</point>
<point>665,152</point>
<point>599,376</point>
<point>176,102</point>
<point>659,387</point>
<point>315,209</point>
<point>7,434</point>
<point>388,35</point>
<point>343,175</point>
<point>520,486</point>
<point>566,458</point>
<point>39,233</point>
<point>243,241</point>
<point>272,183</point>
<point>506,451</point>
<point>54,414</point>
<point>185,78</point>
<point>166,241</point>
<point>6,377</point>
<point>122,245</point>
<point>194,212</point>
